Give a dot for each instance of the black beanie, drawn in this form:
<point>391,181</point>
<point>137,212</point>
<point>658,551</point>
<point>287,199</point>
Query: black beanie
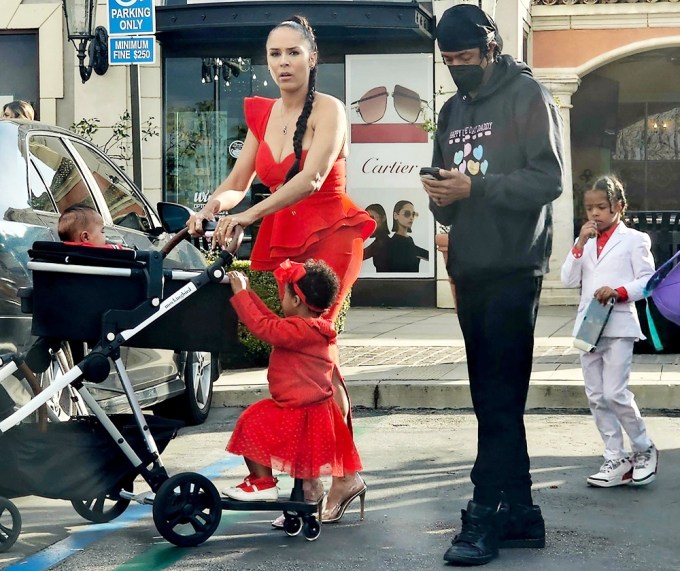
<point>466,26</point>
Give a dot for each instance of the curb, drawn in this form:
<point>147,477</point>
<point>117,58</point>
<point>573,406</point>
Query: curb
<point>554,395</point>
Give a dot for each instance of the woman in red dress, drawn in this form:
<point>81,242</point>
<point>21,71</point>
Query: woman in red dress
<point>297,146</point>
<point>300,430</point>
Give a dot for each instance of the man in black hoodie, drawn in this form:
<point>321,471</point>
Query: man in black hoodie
<point>499,147</point>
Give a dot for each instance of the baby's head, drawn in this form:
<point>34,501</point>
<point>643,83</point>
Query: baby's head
<point>311,287</point>
<point>81,223</point>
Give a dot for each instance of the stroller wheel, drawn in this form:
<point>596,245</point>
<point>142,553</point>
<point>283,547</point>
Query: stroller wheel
<point>311,528</point>
<point>10,524</point>
<point>187,509</point>
<point>292,525</point>
<point>105,507</point>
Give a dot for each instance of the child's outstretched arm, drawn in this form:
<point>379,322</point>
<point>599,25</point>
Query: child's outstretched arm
<point>259,319</point>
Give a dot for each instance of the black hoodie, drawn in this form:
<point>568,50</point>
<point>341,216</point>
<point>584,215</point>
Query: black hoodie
<point>508,140</point>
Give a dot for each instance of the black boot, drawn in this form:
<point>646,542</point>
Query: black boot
<point>520,526</point>
<point>477,542</point>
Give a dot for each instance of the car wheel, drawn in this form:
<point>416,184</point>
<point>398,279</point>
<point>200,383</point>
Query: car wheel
<point>61,406</point>
<point>194,405</point>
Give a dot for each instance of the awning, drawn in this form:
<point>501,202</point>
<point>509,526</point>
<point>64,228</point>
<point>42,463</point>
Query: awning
<point>341,26</point>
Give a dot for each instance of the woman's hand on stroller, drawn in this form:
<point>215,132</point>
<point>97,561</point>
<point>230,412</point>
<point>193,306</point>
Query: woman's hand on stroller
<point>226,227</point>
<point>238,280</point>
<point>197,221</point>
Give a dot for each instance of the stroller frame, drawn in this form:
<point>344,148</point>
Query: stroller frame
<point>186,507</point>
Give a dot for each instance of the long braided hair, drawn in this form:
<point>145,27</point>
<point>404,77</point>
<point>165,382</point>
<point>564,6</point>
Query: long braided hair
<point>300,24</point>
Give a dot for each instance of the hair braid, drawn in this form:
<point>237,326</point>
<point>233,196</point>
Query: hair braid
<point>301,125</point>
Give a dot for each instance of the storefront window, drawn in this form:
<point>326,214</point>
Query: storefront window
<point>204,123</point>
<point>626,120</point>
<point>646,154</point>
<point>19,69</point>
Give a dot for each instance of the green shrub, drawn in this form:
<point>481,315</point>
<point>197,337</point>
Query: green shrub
<point>252,352</point>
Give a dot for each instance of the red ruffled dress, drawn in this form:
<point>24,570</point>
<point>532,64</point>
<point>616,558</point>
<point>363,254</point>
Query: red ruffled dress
<point>325,225</point>
<point>300,430</point>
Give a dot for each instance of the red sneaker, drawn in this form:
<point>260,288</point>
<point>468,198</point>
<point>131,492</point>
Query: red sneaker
<point>254,489</point>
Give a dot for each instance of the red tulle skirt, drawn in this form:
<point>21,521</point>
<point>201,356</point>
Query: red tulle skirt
<point>305,442</point>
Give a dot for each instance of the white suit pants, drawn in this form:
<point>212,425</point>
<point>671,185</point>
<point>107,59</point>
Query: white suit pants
<point>606,372</point>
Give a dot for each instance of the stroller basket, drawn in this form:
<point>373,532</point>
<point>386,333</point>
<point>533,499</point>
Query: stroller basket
<point>76,287</point>
<point>77,459</point>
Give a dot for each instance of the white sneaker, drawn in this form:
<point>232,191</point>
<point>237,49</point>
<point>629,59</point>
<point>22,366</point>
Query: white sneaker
<point>612,473</point>
<point>278,522</point>
<point>645,465</point>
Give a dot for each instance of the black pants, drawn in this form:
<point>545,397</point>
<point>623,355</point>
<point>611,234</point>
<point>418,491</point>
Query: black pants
<point>498,320</point>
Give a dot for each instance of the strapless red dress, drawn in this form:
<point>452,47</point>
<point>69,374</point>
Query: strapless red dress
<point>311,224</point>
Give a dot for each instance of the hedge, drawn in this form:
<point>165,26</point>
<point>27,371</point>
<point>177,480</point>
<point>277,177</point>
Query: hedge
<point>251,352</point>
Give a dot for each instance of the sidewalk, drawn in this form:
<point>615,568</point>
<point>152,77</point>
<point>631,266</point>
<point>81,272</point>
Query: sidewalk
<point>415,358</point>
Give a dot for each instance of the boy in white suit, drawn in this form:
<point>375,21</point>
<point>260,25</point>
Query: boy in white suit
<point>611,261</point>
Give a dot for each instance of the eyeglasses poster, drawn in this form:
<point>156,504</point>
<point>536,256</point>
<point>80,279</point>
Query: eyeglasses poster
<point>388,101</point>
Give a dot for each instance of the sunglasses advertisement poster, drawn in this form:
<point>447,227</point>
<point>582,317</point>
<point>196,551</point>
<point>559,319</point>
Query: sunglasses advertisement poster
<point>389,98</point>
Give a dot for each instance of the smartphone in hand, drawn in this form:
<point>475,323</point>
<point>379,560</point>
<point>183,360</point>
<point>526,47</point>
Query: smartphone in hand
<point>430,172</point>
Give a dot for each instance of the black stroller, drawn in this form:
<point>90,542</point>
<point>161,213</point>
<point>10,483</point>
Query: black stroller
<point>139,304</point>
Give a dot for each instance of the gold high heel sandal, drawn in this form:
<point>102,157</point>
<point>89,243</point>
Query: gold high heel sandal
<point>335,513</point>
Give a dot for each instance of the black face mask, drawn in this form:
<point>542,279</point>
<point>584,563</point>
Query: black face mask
<point>467,78</point>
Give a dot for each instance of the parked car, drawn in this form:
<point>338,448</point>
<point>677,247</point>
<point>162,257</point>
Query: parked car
<point>44,170</point>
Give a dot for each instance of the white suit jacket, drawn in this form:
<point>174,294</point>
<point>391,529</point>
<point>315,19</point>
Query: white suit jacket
<point>625,261</point>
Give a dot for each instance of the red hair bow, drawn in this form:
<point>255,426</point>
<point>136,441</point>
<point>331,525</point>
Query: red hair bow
<point>290,272</point>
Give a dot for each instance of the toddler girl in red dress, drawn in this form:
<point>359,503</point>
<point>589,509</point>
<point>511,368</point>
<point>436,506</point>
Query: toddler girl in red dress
<point>300,430</point>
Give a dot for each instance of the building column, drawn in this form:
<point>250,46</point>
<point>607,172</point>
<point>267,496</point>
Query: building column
<point>562,88</point>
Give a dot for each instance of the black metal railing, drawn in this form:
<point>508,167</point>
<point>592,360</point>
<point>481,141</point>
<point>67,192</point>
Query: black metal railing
<point>663,227</point>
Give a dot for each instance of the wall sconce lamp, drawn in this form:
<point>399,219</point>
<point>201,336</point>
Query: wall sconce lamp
<point>659,128</point>
<point>206,71</point>
<point>80,18</point>
<point>229,68</point>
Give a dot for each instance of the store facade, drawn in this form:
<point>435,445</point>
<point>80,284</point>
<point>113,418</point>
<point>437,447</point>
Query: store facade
<point>611,66</point>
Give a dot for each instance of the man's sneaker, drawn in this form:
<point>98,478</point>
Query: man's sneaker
<point>520,526</point>
<point>477,542</point>
<point>645,465</point>
<point>254,490</point>
<point>613,473</point>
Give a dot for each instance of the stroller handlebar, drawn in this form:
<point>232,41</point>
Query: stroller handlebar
<point>208,227</point>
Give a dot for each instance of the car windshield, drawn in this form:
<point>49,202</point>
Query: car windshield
<point>13,180</point>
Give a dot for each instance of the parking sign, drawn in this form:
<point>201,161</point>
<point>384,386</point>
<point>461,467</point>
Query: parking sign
<point>127,17</point>
<point>124,50</point>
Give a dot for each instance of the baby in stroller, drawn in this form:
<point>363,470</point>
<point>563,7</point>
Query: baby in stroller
<point>300,430</point>
<point>82,225</point>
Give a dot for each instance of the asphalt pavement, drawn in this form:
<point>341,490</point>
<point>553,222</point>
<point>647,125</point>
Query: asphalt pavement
<point>406,372</point>
<point>417,467</point>
<point>415,359</point>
